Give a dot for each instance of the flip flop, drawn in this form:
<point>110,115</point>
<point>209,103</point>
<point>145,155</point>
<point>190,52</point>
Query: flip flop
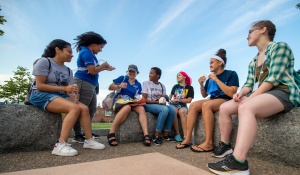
<point>184,146</point>
<point>201,149</point>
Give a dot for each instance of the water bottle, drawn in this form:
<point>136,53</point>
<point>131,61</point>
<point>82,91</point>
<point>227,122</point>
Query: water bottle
<point>74,96</point>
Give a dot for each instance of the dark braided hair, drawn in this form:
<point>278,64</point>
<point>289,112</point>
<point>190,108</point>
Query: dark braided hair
<point>50,49</point>
<point>222,53</point>
<point>87,39</point>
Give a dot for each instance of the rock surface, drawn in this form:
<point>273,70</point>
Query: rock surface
<point>27,128</point>
<point>130,130</point>
<point>277,139</point>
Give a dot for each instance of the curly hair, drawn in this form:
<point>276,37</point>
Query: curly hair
<point>222,53</point>
<point>87,39</point>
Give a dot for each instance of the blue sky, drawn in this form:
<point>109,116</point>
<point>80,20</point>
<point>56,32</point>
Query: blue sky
<point>175,35</point>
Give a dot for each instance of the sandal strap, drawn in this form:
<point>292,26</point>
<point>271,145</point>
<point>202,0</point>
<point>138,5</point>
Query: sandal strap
<point>110,135</point>
<point>146,137</point>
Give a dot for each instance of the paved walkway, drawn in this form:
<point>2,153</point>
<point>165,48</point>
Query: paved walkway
<point>131,158</point>
<point>146,164</point>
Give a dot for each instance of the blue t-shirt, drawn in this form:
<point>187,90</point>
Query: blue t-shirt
<point>86,58</point>
<point>130,91</point>
<point>228,77</point>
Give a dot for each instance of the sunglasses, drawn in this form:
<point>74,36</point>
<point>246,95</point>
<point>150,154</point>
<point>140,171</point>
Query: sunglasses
<point>252,30</point>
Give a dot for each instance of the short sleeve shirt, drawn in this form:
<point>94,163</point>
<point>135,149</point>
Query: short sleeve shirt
<point>152,90</point>
<point>182,92</point>
<point>58,75</point>
<point>229,78</point>
<point>131,90</point>
<point>85,59</point>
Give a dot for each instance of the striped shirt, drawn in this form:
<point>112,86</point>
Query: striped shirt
<point>279,57</point>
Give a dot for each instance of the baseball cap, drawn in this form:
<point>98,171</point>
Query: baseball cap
<point>133,67</point>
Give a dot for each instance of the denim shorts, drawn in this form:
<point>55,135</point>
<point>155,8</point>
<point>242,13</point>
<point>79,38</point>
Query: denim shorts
<point>178,106</point>
<point>42,99</point>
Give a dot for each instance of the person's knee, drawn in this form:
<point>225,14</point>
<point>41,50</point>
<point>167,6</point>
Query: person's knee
<point>76,109</point>
<point>193,106</point>
<point>243,108</point>
<point>182,112</point>
<point>206,106</point>
<point>84,108</point>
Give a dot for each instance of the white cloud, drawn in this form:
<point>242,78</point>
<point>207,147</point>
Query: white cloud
<point>171,15</point>
<point>252,16</point>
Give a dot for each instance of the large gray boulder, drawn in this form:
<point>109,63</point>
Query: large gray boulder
<point>27,128</point>
<point>277,139</point>
<point>130,130</point>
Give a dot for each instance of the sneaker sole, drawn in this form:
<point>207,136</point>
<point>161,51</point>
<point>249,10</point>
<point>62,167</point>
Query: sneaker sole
<point>157,144</point>
<point>224,154</point>
<point>233,172</point>
<point>66,154</point>
<point>90,147</point>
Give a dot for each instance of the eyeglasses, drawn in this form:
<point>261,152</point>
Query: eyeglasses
<point>252,30</point>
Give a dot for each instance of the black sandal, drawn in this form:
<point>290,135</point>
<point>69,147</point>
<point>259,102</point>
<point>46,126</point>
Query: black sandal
<point>111,137</point>
<point>145,138</point>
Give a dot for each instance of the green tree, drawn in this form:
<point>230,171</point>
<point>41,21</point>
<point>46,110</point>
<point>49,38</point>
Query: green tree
<point>2,20</point>
<point>15,89</point>
<point>298,6</point>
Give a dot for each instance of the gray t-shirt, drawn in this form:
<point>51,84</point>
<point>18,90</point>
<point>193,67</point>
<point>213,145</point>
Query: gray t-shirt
<point>58,75</point>
<point>152,90</point>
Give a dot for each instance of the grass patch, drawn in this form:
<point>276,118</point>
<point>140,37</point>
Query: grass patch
<point>101,125</point>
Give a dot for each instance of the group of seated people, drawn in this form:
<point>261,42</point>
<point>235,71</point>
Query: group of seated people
<point>269,89</point>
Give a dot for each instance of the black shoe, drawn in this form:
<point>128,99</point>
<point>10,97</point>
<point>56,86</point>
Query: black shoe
<point>96,136</point>
<point>222,150</point>
<point>229,166</point>
<point>168,138</point>
<point>157,140</point>
<point>79,138</point>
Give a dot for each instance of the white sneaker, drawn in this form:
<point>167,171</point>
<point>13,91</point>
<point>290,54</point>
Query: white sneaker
<point>93,144</point>
<point>64,149</point>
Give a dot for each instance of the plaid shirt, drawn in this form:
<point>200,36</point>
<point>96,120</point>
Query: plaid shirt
<point>279,57</point>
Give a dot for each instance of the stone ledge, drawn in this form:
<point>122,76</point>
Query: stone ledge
<point>27,128</point>
<point>277,139</point>
<point>130,130</point>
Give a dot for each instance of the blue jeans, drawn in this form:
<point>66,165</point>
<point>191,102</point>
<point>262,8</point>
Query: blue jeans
<point>165,118</point>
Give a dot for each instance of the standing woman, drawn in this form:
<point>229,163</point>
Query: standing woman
<point>155,94</point>
<point>88,45</point>
<point>51,93</point>
<point>182,93</point>
<point>128,89</point>
<point>271,91</point>
<point>221,85</point>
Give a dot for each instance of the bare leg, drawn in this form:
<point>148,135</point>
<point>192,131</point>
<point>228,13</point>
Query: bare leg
<point>142,118</point>
<point>120,117</point>
<point>182,114</point>
<point>72,110</point>
<point>261,106</point>
<point>194,109</point>
<point>175,124</point>
<point>208,109</point>
<point>225,121</point>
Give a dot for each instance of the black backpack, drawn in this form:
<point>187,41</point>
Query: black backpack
<point>29,90</point>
